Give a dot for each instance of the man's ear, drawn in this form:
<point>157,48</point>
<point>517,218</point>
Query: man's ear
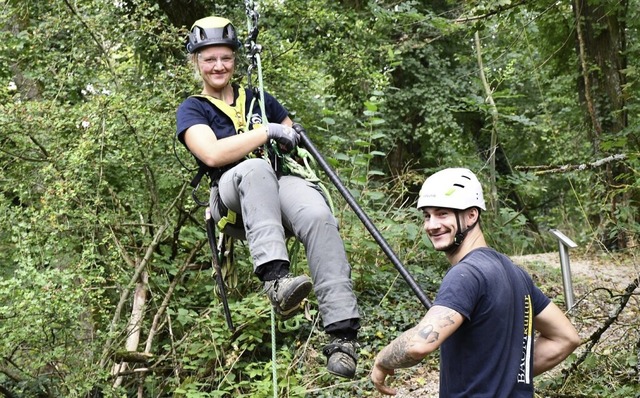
<point>472,215</point>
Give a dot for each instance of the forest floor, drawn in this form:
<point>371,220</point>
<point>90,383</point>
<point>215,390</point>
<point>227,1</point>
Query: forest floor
<point>596,282</point>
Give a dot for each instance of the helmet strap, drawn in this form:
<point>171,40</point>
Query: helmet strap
<point>460,235</point>
<point>457,240</point>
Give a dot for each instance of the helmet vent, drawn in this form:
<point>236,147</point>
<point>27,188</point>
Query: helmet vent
<point>211,31</point>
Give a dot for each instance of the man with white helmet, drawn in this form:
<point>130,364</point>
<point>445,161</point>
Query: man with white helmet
<point>486,310</point>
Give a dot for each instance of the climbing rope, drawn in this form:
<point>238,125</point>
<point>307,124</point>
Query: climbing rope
<point>253,53</point>
<point>274,367</point>
<point>300,163</point>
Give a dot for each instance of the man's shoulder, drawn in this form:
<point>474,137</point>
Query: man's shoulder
<point>486,261</point>
<point>479,256</point>
<point>486,254</point>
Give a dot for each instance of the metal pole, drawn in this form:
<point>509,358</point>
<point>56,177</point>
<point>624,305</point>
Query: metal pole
<point>564,243</point>
<point>566,275</point>
<point>362,216</point>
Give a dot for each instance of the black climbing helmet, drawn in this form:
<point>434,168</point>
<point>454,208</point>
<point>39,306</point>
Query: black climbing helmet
<point>211,31</point>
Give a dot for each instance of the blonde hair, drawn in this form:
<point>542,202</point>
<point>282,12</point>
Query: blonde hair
<point>193,60</point>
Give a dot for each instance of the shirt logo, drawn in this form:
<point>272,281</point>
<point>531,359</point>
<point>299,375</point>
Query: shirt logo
<point>524,373</point>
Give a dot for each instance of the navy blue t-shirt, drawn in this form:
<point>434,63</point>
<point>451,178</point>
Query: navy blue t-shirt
<point>198,110</point>
<point>491,354</point>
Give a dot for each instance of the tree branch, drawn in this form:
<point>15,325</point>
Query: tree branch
<point>106,57</point>
<point>123,297</point>
<point>167,296</point>
<point>548,169</point>
<point>135,320</point>
<point>497,10</point>
<point>494,123</point>
<point>596,335</point>
<point>585,68</point>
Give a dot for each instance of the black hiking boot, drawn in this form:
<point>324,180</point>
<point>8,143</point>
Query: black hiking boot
<point>341,357</point>
<point>287,293</point>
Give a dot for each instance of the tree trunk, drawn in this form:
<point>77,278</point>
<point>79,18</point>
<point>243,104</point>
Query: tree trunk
<point>493,195</point>
<point>601,44</point>
<point>135,320</point>
<point>184,12</point>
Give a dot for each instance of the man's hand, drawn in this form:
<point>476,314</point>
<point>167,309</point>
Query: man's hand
<point>284,135</point>
<point>378,376</point>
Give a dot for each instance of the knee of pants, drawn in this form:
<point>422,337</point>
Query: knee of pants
<point>318,216</point>
<point>255,167</point>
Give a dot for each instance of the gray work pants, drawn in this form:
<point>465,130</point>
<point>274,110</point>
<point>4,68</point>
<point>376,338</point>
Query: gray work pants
<point>267,205</point>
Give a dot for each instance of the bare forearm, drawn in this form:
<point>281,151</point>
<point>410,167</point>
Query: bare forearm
<point>412,346</point>
<point>234,148</point>
<point>549,353</point>
<point>396,355</point>
<point>558,338</point>
<point>415,344</point>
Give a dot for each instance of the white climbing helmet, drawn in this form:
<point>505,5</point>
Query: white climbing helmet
<point>453,188</point>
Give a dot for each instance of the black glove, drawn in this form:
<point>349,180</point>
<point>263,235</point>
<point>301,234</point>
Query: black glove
<point>284,135</point>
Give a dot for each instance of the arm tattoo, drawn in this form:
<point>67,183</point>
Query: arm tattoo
<point>396,355</point>
<point>427,333</point>
<point>446,318</point>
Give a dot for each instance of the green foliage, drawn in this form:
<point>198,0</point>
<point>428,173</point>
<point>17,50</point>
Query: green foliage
<point>603,376</point>
<point>49,313</point>
<point>388,91</point>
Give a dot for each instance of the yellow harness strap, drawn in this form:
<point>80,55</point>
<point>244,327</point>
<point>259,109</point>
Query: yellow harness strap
<point>235,112</point>
<point>237,115</point>
<point>230,218</point>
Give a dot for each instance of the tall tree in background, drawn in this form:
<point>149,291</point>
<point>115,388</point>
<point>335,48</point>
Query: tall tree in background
<point>601,46</point>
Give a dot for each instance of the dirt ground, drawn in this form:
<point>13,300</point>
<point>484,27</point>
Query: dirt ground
<point>589,274</point>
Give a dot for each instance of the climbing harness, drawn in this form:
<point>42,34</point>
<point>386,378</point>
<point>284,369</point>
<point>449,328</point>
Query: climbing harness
<point>300,162</point>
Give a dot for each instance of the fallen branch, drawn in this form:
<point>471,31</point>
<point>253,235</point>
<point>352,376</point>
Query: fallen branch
<point>490,12</point>
<point>133,329</point>
<point>548,169</point>
<point>167,298</point>
<point>596,335</point>
<point>125,293</point>
<point>133,357</point>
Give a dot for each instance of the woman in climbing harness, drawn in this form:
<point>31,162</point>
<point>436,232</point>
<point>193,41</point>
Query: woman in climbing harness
<point>252,198</point>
